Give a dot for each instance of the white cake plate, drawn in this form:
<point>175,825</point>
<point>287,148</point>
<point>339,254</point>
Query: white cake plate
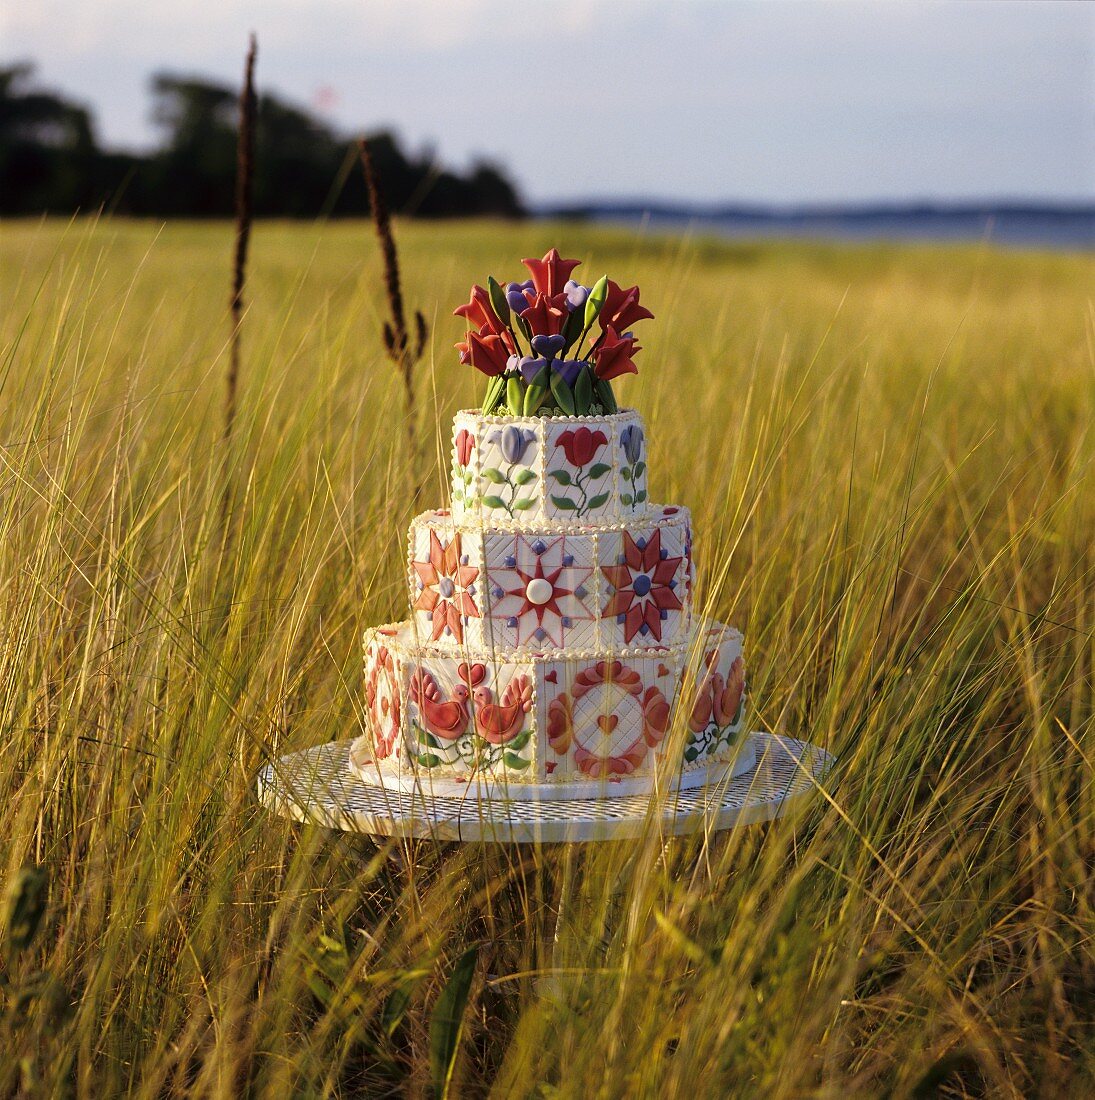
<point>316,786</point>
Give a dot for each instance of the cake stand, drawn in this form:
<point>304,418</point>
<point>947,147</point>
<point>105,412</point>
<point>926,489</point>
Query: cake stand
<point>317,787</point>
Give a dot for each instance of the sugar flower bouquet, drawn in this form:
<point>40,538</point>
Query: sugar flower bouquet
<point>550,345</point>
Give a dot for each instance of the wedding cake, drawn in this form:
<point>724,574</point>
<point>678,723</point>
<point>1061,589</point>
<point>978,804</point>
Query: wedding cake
<point>552,635</point>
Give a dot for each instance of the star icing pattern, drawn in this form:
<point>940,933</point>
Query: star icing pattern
<point>644,580</point>
<point>446,587</point>
<point>540,592</point>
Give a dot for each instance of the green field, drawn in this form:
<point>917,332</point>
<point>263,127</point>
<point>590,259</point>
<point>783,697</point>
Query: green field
<point>888,452</point>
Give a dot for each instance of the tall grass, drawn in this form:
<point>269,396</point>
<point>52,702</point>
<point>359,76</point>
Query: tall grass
<point>888,452</point>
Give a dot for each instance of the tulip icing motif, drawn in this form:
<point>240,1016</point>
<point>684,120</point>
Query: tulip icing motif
<point>550,345</point>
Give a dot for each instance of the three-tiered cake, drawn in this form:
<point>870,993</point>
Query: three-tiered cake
<point>551,633</point>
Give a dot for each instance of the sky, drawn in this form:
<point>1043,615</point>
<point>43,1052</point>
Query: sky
<point>688,100</point>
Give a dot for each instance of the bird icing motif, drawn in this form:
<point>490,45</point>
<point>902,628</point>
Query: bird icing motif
<point>444,718</point>
<point>718,698</point>
<point>498,723</point>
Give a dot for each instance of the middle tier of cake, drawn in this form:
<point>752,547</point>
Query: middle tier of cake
<point>609,588</point>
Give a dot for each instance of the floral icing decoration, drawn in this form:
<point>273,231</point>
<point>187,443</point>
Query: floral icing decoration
<point>446,584</point>
<point>580,447</point>
<point>644,580</point>
<point>463,474</point>
<point>633,468</point>
<point>530,339</point>
<point>512,444</point>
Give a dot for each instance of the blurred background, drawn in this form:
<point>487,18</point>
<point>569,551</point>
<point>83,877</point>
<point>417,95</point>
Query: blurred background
<point>931,120</point>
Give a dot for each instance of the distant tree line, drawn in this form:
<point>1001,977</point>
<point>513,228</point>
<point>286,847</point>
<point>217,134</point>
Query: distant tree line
<point>50,161</point>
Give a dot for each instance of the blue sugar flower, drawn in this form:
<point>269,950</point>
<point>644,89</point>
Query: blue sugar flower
<point>631,439</point>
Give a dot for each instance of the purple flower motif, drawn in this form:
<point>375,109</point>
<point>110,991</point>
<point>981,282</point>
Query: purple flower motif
<point>548,346</point>
<point>569,369</point>
<point>512,441</point>
<point>631,439</point>
<point>576,294</point>
<point>513,363</point>
<point>531,367</point>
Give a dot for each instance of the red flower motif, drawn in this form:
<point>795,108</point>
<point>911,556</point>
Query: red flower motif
<point>621,309</point>
<point>478,312</point>
<point>643,583</point>
<point>487,352</point>
<point>550,274</point>
<point>614,354</point>
<point>465,444</point>
<point>545,317</point>
<point>580,445</point>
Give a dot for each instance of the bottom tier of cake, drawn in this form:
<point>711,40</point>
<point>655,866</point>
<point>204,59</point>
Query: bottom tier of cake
<point>551,726</point>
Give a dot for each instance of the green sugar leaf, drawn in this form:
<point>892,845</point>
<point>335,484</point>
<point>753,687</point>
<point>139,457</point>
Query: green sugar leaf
<point>493,475</point>
<point>524,504</point>
<point>560,476</point>
<point>495,389</point>
<point>608,398</point>
<point>564,398</point>
<point>493,502</point>
<point>517,763</point>
<point>572,329</point>
<point>498,299</point>
<point>523,477</point>
<point>598,501</point>
<point>598,469</point>
<point>583,391</point>
<point>564,505</point>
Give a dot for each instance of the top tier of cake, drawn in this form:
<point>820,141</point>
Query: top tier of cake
<point>565,471</point>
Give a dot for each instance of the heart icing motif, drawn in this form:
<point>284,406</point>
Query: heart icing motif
<point>662,670</point>
<point>551,677</point>
<point>608,723</point>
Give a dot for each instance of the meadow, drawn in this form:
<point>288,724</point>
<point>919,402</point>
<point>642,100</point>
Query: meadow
<point>888,452</point>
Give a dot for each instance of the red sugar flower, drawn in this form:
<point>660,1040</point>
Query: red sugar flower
<point>545,317</point>
<point>613,356</point>
<point>550,274</point>
<point>486,351</point>
<point>478,312</point>
<point>621,309</point>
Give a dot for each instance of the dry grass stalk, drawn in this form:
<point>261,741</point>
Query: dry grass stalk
<point>245,173</point>
<point>397,340</point>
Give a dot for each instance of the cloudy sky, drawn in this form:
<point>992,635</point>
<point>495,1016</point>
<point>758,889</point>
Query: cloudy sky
<point>686,99</point>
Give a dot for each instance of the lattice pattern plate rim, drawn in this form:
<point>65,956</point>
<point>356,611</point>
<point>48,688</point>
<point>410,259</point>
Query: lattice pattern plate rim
<point>316,786</point>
